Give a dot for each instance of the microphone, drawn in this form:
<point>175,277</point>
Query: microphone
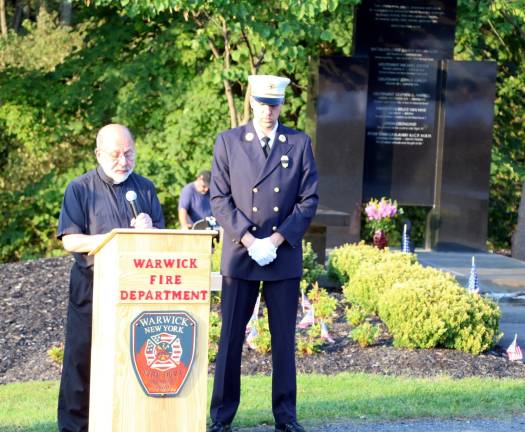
<point>131,196</point>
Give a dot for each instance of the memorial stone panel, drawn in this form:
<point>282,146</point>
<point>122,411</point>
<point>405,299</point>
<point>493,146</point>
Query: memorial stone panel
<point>339,150</point>
<point>404,41</point>
<point>401,119</point>
<point>462,202</point>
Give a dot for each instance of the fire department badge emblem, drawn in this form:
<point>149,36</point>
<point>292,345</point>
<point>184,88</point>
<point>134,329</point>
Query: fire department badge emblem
<point>162,351</point>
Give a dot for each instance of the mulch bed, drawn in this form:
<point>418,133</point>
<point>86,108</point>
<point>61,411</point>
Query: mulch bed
<point>32,315</point>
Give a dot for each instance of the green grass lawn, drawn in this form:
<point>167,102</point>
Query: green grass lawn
<point>32,406</point>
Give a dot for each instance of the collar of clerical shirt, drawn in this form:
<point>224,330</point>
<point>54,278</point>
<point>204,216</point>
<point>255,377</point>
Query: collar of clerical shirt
<point>271,135</point>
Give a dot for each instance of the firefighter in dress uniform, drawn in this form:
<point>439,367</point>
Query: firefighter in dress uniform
<point>264,195</point>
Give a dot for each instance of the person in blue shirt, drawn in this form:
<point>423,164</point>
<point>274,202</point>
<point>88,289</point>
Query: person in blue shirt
<point>194,201</point>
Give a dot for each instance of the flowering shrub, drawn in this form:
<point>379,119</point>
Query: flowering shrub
<point>381,215</point>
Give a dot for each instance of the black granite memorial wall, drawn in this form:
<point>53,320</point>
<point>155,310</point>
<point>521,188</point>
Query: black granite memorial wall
<point>390,122</point>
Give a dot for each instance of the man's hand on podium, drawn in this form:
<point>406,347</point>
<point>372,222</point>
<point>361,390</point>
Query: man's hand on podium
<point>142,221</point>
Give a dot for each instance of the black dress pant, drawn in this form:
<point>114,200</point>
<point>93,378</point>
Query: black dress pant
<point>73,398</point>
<point>237,303</point>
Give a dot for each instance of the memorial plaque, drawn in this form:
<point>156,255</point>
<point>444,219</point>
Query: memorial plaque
<point>400,145</point>
<point>404,41</point>
<point>417,29</point>
<point>402,120</point>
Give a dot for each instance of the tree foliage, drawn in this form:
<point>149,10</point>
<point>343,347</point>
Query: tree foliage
<point>495,30</point>
<point>175,72</point>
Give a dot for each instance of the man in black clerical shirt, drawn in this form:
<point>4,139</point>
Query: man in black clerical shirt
<point>94,204</point>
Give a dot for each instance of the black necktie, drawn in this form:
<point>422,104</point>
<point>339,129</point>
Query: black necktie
<point>266,147</point>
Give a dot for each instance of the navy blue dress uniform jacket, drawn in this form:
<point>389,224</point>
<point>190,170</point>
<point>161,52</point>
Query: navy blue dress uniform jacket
<point>252,193</point>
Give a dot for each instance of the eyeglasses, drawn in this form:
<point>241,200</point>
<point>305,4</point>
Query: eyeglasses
<point>116,156</point>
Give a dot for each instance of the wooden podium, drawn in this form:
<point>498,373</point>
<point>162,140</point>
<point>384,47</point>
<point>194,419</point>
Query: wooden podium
<point>149,356</point>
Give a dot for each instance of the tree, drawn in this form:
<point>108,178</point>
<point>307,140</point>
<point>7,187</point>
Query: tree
<point>249,36</point>
<point>494,30</point>
<point>3,20</point>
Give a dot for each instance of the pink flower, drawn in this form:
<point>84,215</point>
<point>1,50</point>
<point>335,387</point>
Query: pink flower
<point>372,212</point>
<point>380,214</point>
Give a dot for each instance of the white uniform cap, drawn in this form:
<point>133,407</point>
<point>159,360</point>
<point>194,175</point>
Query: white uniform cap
<point>268,89</point>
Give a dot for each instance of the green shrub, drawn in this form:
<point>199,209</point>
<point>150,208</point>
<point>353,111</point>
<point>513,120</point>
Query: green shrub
<point>214,333</point>
<point>355,315</point>
<point>216,256</point>
<point>344,261</point>
<point>56,354</point>
<point>365,334</point>
<point>324,304</point>
<point>46,44</point>
<point>372,278</point>
<point>263,340</point>
<point>309,342</point>
<point>436,311</point>
<point>311,268</point>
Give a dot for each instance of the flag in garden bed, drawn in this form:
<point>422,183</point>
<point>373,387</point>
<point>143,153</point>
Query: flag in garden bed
<point>255,315</point>
<point>250,339</point>
<point>405,241</point>
<point>325,335</point>
<point>305,303</point>
<point>308,318</point>
<point>473,283</point>
<point>514,350</point>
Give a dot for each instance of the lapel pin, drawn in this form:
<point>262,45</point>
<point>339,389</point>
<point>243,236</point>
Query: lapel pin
<point>284,160</point>
<point>282,138</point>
<point>248,136</point>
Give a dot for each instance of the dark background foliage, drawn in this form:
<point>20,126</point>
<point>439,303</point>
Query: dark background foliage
<point>167,68</point>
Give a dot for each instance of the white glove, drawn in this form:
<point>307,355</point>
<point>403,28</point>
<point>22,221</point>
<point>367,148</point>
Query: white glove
<point>262,251</point>
<point>271,252</point>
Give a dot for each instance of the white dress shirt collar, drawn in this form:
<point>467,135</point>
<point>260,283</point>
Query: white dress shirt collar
<point>261,134</point>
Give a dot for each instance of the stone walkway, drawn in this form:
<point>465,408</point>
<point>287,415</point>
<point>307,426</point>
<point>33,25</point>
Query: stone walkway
<point>515,424</point>
<point>500,277</point>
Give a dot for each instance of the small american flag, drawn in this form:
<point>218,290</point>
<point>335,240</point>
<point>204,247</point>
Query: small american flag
<point>514,350</point>
<point>305,303</point>
<point>473,283</point>
<point>250,339</point>
<point>255,315</point>
<point>405,241</point>
<point>325,335</point>
<point>308,318</point>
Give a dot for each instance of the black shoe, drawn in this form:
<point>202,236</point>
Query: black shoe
<point>293,426</point>
<point>219,427</point>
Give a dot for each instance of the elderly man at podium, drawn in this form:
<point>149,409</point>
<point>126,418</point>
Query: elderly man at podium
<point>264,195</point>
<point>93,205</point>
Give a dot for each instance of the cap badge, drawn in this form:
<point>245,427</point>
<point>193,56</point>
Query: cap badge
<point>248,136</point>
<point>282,138</point>
<point>271,85</point>
<point>284,161</point>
